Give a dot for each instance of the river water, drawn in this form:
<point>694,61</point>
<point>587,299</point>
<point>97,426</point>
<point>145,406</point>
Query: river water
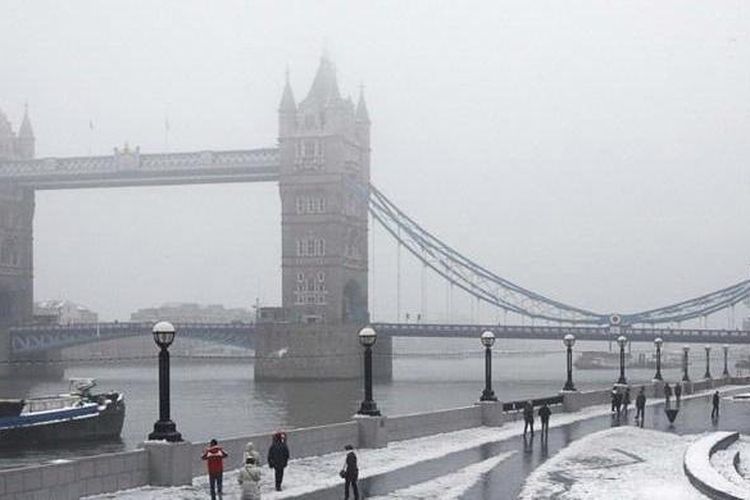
<point>220,398</point>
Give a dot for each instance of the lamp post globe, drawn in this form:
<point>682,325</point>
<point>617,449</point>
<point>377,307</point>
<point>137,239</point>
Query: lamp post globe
<point>707,375</point>
<point>367,337</point>
<point>685,355</point>
<point>658,343</point>
<point>488,340</point>
<point>569,341</point>
<point>622,342</point>
<point>725,348</point>
<point>164,428</point>
<point>163,333</point>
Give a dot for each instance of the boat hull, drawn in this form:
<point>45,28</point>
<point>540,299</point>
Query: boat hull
<point>102,425</point>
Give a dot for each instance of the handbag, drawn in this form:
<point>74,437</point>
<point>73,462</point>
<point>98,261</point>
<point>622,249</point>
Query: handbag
<point>342,474</point>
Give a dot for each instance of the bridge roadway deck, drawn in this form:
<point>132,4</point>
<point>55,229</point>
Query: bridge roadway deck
<point>35,339</point>
<point>130,168</point>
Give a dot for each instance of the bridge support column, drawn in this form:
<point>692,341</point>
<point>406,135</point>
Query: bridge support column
<point>285,351</point>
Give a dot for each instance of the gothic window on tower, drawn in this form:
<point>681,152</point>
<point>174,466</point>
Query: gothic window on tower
<point>311,204</point>
<point>311,247</point>
<point>312,290</point>
<point>309,154</point>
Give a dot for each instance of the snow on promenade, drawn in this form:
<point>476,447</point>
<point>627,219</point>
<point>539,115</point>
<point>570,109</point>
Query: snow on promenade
<point>622,462</point>
<point>312,473</point>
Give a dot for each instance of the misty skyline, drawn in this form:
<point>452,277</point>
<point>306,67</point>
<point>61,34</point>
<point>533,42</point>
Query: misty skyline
<point>596,153</point>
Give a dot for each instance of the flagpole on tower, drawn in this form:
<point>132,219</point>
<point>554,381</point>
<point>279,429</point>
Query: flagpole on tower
<point>166,131</point>
<point>91,134</point>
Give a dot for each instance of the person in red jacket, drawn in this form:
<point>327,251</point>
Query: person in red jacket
<point>214,456</point>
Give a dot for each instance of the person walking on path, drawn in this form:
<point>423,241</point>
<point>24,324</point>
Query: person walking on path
<point>214,456</point>
<point>677,392</point>
<point>618,403</point>
<point>640,406</point>
<point>715,403</point>
<point>278,456</point>
<point>667,393</point>
<point>350,473</point>
<point>528,417</point>
<point>544,413</point>
<point>626,400</point>
<point>249,478</point>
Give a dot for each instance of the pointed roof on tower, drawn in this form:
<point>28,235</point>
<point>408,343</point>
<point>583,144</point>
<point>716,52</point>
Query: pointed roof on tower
<point>362,114</point>
<point>325,87</point>
<point>287,99</point>
<point>26,130</point>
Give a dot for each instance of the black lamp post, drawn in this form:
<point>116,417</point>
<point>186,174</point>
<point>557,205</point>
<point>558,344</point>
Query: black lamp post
<point>685,354</point>
<point>707,375</point>
<point>488,340</point>
<point>622,341</point>
<point>726,366</point>
<point>658,342</point>
<point>367,337</point>
<point>569,341</point>
<point>164,428</point>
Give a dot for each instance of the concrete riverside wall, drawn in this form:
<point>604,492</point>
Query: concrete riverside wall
<point>306,442</point>
<point>425,424</point>
<point>73,479</point>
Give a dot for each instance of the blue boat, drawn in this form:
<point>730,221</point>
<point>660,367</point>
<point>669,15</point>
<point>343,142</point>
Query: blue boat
<point>78,416</point>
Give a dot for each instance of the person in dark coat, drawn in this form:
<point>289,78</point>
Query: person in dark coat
<point>715,409</point>
<point>350,473</point>
<point>677,392</point>
<point>214,456</point>
<point>278,456</point>
<point>613,398</point>
<point>618,403</point>
<point>544,413</point>
<point>626,400</point>
<point>640,406</point>
<point>528,417</point>
<point>667,393</point>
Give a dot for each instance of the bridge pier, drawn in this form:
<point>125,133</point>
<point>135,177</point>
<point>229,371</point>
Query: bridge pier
<point>287,351</point>
<point>38,365</point>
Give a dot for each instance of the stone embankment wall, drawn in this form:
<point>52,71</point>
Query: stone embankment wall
<point>76,478</point>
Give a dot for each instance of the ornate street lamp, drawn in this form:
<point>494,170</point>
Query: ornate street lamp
<point>622,341</point>
<point>367,337</point>
<point>569,340</point>
<point>658,342</point>
<point>726,367</point>
<point>685,353</point>
<point>707,375</point>
<point>488,340</point>
<point>164,428</point>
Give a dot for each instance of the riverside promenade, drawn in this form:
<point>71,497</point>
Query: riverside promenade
<point>396,453</point>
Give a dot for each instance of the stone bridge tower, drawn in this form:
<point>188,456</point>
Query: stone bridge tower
<point>16,228</point>
<point>324,148</point>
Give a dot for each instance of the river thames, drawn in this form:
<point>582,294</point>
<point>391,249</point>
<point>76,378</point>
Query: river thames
<point>220,398</point>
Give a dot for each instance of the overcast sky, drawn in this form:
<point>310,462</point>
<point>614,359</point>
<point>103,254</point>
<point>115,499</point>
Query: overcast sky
<point>594,151</point>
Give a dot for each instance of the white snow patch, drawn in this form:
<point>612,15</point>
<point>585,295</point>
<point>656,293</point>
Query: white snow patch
<point>623,463</point>
<point>448,487</point>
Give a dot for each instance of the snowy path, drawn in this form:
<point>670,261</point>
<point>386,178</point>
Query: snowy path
<point>622,462</point>
<point>450,486</point>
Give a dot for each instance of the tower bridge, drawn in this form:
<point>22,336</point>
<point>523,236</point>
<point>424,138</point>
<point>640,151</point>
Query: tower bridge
<point>322,167</point>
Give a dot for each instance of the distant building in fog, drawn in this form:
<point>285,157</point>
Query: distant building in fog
<point>193,313</point>
<point>63,312</point>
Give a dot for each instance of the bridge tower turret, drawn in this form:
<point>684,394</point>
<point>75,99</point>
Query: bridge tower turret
<point>324,147</point>
<point>25,144</point>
